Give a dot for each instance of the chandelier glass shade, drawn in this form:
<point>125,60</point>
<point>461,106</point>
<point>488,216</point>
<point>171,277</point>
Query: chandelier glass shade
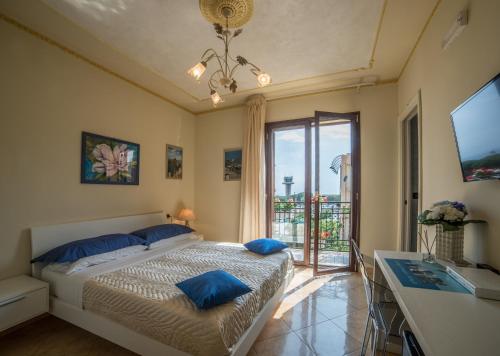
<point>226,65</point>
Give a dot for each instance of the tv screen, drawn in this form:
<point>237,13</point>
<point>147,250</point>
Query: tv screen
<point>477,132</point>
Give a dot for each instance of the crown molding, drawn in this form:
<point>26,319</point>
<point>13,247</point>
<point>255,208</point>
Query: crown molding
<point>377,34</point>
<point>419,38</point>
<point>229,107</point>
<point>334,89</point>
<point>277,86</point>
<point>296,96</point>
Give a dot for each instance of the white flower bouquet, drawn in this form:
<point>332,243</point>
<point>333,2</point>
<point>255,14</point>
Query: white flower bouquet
<point>450,214</point>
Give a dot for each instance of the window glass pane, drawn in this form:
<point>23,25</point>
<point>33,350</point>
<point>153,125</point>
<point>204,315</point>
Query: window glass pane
<point>289,173</point>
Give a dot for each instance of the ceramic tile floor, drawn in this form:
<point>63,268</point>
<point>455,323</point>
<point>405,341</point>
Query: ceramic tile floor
<point>318,316</point>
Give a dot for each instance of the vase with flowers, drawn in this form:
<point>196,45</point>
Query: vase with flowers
<point>449,219</point>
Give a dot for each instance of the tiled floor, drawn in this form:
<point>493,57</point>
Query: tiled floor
<point>318,316</point>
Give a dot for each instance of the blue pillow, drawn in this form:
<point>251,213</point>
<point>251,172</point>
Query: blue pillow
<point>265,246</point>
<point>74,250</point>
<point>160,232</point>
<point>213,288</point>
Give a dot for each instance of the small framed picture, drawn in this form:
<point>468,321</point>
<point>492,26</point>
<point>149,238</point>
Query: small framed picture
<point>232,164</point>
<point>107,160</point>
<point>174,162</point>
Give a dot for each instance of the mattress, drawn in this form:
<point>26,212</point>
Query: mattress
<point>143,295</point>
<point>65,287</point>
<point>68,288</point>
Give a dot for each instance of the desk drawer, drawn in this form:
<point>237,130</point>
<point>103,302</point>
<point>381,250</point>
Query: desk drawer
<point>26,306</point>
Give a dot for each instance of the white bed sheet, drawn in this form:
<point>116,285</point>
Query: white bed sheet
<point>69,288</point>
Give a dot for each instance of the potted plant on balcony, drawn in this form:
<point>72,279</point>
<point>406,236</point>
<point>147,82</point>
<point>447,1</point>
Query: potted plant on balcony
<point>449,219</point>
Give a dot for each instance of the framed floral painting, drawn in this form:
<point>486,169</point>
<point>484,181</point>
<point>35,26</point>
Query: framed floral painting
<point>174,162</point>
<point>107,160</point>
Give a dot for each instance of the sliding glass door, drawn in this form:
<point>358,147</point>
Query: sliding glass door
<point>312,188</point>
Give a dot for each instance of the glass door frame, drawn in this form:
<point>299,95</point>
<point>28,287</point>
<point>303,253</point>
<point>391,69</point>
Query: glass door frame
<point>270,127</point>
<point>309,124</point>
<point>353,118</point>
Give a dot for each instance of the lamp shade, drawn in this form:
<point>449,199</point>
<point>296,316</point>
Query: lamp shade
<point>197,71</point>
<point>216,98</point>
<point>186,215</point>
<point>263,79</point>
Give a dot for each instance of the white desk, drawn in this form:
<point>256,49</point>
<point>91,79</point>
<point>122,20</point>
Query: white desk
<point>444,323</point>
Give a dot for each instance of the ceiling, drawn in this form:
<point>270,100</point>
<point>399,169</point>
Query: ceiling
<point>306,46</point>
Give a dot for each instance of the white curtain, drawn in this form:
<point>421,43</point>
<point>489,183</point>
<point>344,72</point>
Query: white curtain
<point>252,211</point>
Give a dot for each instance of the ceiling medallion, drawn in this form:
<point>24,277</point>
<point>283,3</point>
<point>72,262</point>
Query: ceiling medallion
<point>238,12</point>
<point>226,14</point>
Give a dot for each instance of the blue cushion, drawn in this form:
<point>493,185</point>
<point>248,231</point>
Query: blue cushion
<point>265,246</point>
<point>74,250</point>
<point>213,288</point>
<point>160,232</point>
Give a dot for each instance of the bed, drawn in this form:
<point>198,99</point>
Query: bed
<point>133,301</point>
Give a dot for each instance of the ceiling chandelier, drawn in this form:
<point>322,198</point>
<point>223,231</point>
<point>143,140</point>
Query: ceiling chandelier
<point>232,13</point>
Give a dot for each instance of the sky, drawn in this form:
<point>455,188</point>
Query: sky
<point>477,124</point>
<point>234,154</point>
<point>290,156</point>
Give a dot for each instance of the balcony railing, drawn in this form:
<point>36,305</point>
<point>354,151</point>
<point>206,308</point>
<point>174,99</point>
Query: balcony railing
<point>334,224</point>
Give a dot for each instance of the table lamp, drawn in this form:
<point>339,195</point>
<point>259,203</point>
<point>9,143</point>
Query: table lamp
<point>187,215</point>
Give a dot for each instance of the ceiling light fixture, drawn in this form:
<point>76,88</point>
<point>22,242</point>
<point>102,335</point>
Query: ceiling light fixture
<point>233,13</point>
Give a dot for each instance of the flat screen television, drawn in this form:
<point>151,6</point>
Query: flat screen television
<point>476,124</point>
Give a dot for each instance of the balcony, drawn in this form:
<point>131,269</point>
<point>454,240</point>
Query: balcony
<point>334,230</point>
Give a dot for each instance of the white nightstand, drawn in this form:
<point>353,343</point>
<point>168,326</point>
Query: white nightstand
<point>22,298</point>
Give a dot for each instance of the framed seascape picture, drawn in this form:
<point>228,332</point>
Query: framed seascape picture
<point>174,162</point>
<point>107,160</point>
<point>232,164</point>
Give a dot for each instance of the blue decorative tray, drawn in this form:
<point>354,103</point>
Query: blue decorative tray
<point>419,274</point>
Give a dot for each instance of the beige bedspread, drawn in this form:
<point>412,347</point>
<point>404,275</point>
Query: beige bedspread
<point>144,297</point>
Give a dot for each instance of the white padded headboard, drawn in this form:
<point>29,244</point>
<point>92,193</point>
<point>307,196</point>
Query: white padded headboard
<point>45,238</point>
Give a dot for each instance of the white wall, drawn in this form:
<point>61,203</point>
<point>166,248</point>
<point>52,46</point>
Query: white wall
<point>447,78</point>
<point>47,98</point>
<point>217,202</point>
